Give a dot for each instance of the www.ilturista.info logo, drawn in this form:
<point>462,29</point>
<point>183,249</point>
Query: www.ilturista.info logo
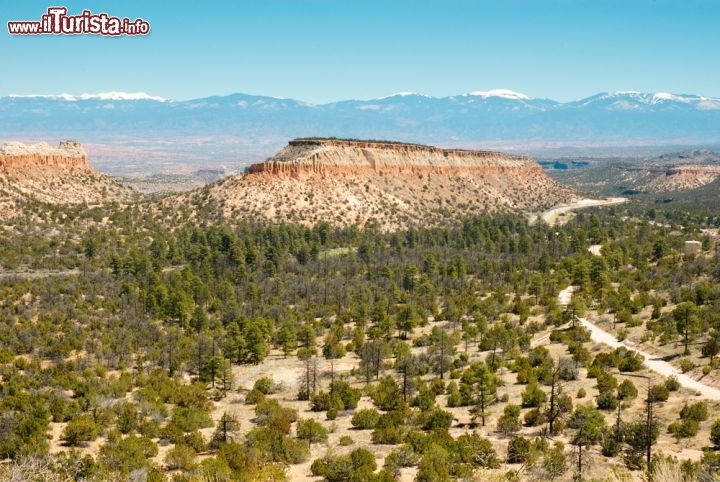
<point>57,21</point>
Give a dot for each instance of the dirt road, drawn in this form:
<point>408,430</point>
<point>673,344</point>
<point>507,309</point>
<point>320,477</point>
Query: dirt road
<point>551,216</point>
<point>651,362</point>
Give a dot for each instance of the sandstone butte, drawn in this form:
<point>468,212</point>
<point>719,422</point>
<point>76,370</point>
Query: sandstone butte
<point>303,158</point>
<point>387,184</point>
<point>69,154</point>
<point>59,175</point>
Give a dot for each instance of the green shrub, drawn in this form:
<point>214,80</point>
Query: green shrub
<point>180,457</point>
<point>80,429</point>
<point>534,417</point>
<point>191,419</point>
<point>365,419</point>
<point>195,440</point>
<point>697,411</point>
<point>684,429</point>
<point>627,391</point>
<point>254,397</point>
<point>265,385</point>
<point>509,421</point>
<point>672,384</point>
<point>312,431</point>
<point>386,436</point>
<point>686,365</point>
<point>437,419</point>
<point>659,393</point>
<point>533,396</point>
<point>715,433</point>
<point>607,401</point>
<point>520,450</point>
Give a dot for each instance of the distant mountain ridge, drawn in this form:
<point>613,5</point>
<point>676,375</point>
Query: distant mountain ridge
<point>241,128</point>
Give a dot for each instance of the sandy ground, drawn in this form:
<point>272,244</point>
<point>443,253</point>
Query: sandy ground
<point>553,216</point>
<point>595,249</point>
<point>651,362</point>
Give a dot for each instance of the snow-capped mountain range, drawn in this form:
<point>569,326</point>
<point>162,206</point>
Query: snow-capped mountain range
<point>257,125</point>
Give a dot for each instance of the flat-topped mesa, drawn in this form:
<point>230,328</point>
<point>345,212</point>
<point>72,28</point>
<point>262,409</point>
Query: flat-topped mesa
<point>347,158</point>
<point>694,170</point>
<point>70,154</point>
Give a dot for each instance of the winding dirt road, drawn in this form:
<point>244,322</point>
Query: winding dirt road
<point>651,362</point>
<point>551,215</point>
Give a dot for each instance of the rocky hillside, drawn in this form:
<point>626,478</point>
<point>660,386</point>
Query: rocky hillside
<point>671,173</point>
<point>392,185</point>
<point>40,173</point>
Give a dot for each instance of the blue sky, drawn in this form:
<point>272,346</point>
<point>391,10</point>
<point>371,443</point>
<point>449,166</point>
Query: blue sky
<point>325,50</point>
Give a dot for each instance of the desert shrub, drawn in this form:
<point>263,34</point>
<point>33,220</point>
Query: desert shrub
<point>433,465</point>
<point>686,365</point>
<point>191,419</point>
<point>403,456</point>
<point>127,454</point>
<point>386,436</point>
<point>697,411</point>
<point>534,417</point>
<point>127,417</point>
<point>349,395</point>
<point>567,369</point>
<point>346,440</point>
<point>269,413</point>
<point>509,421</point>
<point>271,445</point>
<point>172,433</point>
<point>311,430</point>
<point>365,419</point>
<point>150,428</point>
<point>437,419</point>
<point>606,382</point>
<point>715,433</point>
<point>358,465</point>
<point>606,401</point>
<point>611,447</point>
<point>520,450</point>
<point>672,384</point>
<point>195,440</point>
<point>180,457</point>
<point>630,361</point>
<point>684,429</point>
<point>79,429</point>
<point>659,393</point>
<point>254,396</point>
<point>581,393</point>
<point>474,450</point>
<point>265,385</point>
<point>323,401</point>
<point>627,391</point>
<point>386,395</point>
<point>533,396</point>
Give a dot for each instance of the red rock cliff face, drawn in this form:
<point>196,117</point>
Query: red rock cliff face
<point>15,156</point>
<point>304,158</point>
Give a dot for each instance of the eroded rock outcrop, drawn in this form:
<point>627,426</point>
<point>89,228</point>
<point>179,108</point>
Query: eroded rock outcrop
<point>37,175</point>
<point>350,158</point>
<point>69,154</point>
<point>678,178</point>
<point>386,184</point>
